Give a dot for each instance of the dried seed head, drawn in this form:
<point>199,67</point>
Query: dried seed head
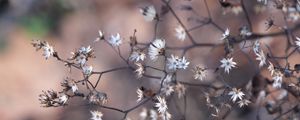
<point>96,97</point>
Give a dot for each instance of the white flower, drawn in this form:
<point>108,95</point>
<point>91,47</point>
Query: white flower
<point>180,33</point>
<point>183,63</point>
<point>137,56</point>
<point>87,70</point>
<point>63,98</point>
<point>243,102</point>
<point>227,64</point>
<point>262,58</point>
<point>143,114</point>
<point>256,47</point>
<point>277,79</point>
<point>156,48</point>
<point>277,84</point>
<point>180,89</point>
<point>115,40</point>
<point>226,34</point>
<point>298,41</point>
<point>168,79</point>
<point>139,70</point>
<point>161,105</point>
<point>165,116</point>
<point>236,94</point>
<point>245,32</point>
<point>85,50</point>
<point>74,88</point>
<point>96,115</point>
<point>96,97</point>
<point>149,13</point>
<point>153,115</point>
<point>175,63</point>
<point>271,68</point>
<point>140,94</point>
<point>168,90</point>
<point>48,50</point>
<point>80,59</point>
<point>199,73</point>
<point>70,84</point>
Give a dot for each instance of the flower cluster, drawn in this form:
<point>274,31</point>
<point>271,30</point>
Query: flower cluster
<point>260,56</point>
<point>175,63</point>
<point>48,50</point>
<point>51,98</point>
<point>82,55</point>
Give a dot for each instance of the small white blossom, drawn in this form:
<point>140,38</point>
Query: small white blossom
<point>161,105</point>
<point>277,79</point>
<point>245,32</point>
<point>153,115</point>
<point>175,63</point>
<point>256,47</point>
<point>180,89</point>
<point>85,50</point>
<point>168,90</point>
<point>139,70</point>
<point>243,102</point>
<point>183,63</point>
<point>48,51</point>
<point>236,94</point>
<point>226,34</point>
<point>137,56</point>
<point>96,97</point>
<point>96,115</point>
<point>262,58</point>
<point>87,70</point>
<point>140,94</point>
<point>168,79</point>
<point>74,88</point>
<point>199,73</point>
<point>115,40</point>
<point>277,84</point>
<point>228,64</point>
<point>180,33</point>
<point>298,41</point>
<point>81,59</point>
<point>271,68</point>
<point>70,84</point>
<point>156,48</point>
<point>143,114</point>
<point>149,13</point>
<point>63,98</point>
<point>165,116</point>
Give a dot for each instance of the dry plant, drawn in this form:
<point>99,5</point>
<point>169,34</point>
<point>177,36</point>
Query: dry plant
<point>220,96</point>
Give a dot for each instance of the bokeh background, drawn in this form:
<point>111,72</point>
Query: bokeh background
<point>70,24</point>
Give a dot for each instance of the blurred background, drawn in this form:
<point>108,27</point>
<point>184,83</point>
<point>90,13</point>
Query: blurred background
<point>70,24</point>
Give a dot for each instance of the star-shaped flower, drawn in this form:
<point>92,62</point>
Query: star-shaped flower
<point>236,94</point>
<point>228,64</point>
<point>161,105</point>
